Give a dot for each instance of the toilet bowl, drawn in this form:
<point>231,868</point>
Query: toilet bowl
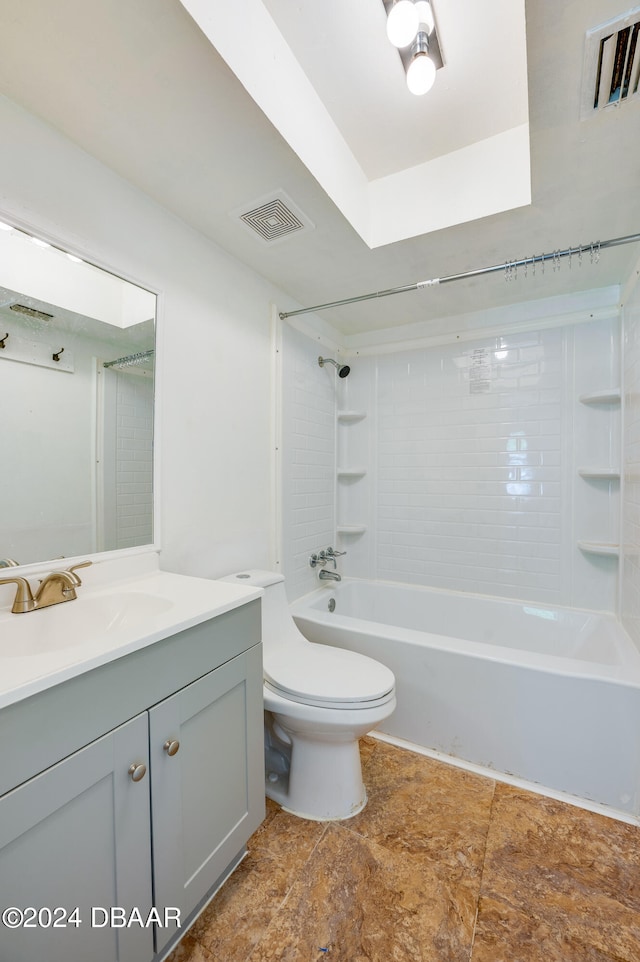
<point>318,702</point>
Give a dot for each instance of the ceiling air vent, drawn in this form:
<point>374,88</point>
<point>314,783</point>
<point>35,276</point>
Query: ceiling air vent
<point>273,218</point>
<point>612,63</point>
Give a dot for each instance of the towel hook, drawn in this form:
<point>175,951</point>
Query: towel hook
<point>56,357</point>
<point>3,339</point>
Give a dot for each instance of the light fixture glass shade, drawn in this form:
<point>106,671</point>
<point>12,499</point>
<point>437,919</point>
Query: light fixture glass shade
<point>425,16</point>
<point>402,23</point>
<point>421,74</point>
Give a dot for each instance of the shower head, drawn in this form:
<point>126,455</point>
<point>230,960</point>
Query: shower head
<point>342,369</point>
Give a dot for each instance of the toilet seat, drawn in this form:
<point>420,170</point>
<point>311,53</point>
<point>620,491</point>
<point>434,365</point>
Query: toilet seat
<point>327,677</point>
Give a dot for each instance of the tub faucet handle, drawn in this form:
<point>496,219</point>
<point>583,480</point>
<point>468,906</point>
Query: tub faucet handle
<point>332,553</point>
<point>318,558</point>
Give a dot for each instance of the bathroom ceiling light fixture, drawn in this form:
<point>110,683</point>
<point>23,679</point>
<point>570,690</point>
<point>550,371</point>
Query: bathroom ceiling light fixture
<point>421,72</point>
<point>411,27</point>
<point>402,22</point>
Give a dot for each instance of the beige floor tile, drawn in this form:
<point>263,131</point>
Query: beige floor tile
<point>441,866</point>
<point>574,871</point>
<point>241,912</point>
<point>504,934</point>
<point>420,805</point>
<point>360,901</point>
<point>189,950</point>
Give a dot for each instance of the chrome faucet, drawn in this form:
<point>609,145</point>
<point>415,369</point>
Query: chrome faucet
<point>324,556</point>
<point>56,587</point>
<point>325,575</point>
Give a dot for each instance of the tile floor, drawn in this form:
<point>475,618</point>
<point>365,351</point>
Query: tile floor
<point>442,866</point>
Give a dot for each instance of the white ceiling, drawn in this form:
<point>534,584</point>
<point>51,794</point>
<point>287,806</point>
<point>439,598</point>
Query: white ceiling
<point>433,177</point>
<point>140,87</point>
<point>358,76</point>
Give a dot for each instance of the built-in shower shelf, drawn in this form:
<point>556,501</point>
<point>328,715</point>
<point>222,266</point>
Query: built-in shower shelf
<point>351,472</point>
<point>612,396</point>
<point>604,548</point>
<point>351,528</point>
<point>348,417</point>
<point>600,474</point>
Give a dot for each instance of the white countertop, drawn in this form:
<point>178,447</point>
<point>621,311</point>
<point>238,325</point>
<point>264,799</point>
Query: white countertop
<point>43,648</point>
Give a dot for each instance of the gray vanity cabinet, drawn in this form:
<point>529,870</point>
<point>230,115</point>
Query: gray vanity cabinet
<point>201,795</point>
<point>77,836</point>
<point>83,824</point>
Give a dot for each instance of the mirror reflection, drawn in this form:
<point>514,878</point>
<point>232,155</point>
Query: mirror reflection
<point>76,392</point>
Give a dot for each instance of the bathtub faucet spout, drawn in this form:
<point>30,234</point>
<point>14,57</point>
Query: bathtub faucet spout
<point>325,575</point>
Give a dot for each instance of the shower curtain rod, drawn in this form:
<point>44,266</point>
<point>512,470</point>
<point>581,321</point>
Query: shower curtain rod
<point>130,358</point>
<point>510,268</point>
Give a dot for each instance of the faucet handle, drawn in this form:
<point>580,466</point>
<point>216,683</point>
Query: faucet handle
<point>318,558</point>
<point>23,600</point>
<point>81,564</point>
<point>332,553</point>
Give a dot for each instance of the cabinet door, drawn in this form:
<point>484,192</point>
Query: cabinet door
<point>78,835</point>
<point>208,797</point>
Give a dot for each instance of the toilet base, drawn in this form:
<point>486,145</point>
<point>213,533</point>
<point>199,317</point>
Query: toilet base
<point>323,781</point>
<point>312,756</point>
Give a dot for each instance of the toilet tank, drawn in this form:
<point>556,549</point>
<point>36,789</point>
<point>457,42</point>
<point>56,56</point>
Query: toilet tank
<point>278,627</point>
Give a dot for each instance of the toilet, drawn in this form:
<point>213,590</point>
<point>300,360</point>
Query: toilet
<point>318,702</point>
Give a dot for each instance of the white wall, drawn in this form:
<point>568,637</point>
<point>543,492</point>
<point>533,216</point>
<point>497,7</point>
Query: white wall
<point>47,483</point>
<point>472,453</point>
<point>630,593</point>
<point>213,359</point>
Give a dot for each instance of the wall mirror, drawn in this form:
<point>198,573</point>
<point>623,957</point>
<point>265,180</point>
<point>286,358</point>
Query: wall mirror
<point>77,347</point>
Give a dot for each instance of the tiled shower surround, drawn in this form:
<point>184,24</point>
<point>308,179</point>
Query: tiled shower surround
<point>308,459</point>
<point>134,460</point>
<point>469,473</point>
<point>465,468</point>
<point>630,600</point>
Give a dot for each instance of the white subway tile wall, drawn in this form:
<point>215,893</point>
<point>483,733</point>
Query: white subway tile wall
<point>630,595</point>
<point>472,453</point>
<point>308,459</point>
<point>134,460</point>
<point>469,472</point>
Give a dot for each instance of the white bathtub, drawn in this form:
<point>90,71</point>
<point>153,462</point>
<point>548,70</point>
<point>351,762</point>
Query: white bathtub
<point>550,695</point>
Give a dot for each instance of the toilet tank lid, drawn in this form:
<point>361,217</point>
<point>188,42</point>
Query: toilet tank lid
<point>254,577</point>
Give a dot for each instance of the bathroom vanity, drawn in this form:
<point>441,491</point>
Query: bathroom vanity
<point>131,776</point>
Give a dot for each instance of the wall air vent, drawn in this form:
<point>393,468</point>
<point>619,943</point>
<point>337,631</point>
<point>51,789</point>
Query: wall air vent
<point>611,73</point>
<point>273,218</point>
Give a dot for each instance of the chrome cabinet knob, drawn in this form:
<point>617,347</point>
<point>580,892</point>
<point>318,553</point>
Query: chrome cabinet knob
<point>171,746</point>
<point>137,771</point>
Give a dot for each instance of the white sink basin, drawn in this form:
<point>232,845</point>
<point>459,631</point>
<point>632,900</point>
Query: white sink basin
<point>107,620</point>
<point>76,622</point>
